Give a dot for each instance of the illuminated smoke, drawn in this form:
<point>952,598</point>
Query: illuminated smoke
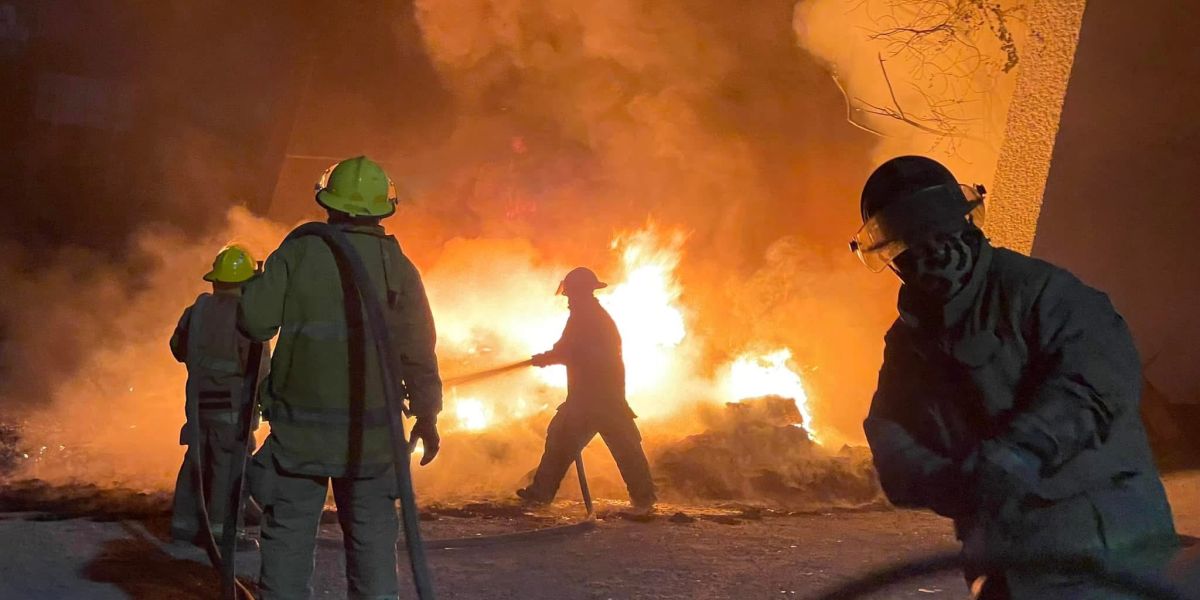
<point>570,125</point>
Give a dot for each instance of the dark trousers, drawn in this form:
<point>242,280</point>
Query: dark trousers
<point>219,448</point>
<point>571,430</point>
<point>1036,586</point>
<point>1073,528</point>
<point>292,506</point>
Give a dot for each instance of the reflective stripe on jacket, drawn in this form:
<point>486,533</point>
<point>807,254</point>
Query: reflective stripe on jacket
<point>208,342</point>
<point>324,397</point>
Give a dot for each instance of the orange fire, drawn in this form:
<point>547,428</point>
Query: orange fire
<point>663,371</point>
<point>753,376</point>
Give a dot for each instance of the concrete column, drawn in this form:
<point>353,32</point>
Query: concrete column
<point>1033,122</point>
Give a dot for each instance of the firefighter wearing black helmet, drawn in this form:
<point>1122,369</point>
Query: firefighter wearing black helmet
<point>590,348</point>
<point>1008,397</point>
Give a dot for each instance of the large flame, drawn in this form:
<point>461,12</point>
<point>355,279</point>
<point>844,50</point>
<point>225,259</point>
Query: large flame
<point>757,375</point>
<point>663,372</point>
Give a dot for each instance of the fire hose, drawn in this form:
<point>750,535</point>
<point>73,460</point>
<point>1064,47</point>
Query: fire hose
<point>224,556</point>
<point>587,524</point>
<point>1146,586</point>
<point>493,372</point>
<point>376,327</point>
<point>485,374</point>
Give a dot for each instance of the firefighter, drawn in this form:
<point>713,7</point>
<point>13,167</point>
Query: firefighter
<point>1008,397</point>
<point>324,398</point>
<point>590,347</point>
<point>208,342</point>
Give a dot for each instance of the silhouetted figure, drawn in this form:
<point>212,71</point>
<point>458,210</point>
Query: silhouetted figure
<point>590,348</point>
<point>1008,398</point>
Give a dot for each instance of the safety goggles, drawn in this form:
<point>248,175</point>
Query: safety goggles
<point>937,209</point>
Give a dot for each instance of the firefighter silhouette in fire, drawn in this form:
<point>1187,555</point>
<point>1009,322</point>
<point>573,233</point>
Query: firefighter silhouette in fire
<point>208,342</point>
<point>590,348</point>
<point>1008,397</point>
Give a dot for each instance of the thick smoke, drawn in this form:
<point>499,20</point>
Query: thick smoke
<point>114,419</point>
<point>560,125</point>
<point>706,116</point>
<point>932,77</point>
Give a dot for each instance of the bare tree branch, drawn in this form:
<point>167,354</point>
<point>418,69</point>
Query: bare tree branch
<point>948,69</point>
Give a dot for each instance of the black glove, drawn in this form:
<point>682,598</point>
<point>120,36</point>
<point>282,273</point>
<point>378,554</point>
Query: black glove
<point>1003,475</point>
<point>541,360</point>
<point>425,430</point>
<point>1005,472</point>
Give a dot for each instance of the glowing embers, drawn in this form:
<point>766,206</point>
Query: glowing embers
<point>756,375</point>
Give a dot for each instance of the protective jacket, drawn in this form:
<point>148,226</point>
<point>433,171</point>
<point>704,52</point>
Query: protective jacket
<point>590,347</point>
<point>324,397</point>
<point>208,341</point>
<point>1028,354</point>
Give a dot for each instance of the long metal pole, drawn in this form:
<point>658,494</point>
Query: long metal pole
<point>583,486</point>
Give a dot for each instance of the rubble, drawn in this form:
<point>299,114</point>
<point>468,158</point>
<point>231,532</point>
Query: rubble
<point>760,453</point>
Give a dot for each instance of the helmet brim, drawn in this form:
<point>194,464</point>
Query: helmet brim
<point>562,288</point>
<point>331,201</point>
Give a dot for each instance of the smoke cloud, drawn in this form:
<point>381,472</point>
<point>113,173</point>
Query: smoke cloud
<point>559,126</point>
<point>931,77</point>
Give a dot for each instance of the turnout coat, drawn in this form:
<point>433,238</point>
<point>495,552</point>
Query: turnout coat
<point>1029,354</point>
<point>324,397</point>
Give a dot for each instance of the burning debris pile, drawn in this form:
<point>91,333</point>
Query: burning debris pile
<point>758,451</point>
<point>559,130</point>
<point>679,380</point>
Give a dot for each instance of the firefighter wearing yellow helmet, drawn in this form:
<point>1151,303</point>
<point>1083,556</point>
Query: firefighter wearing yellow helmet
<point>357,187</point>
<point>208,342</point>
<point>325,396</point>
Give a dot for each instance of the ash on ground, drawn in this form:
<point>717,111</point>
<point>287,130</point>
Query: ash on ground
<point>758,452</point>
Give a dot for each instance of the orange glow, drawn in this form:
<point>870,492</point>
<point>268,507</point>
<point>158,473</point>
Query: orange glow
<point>470,414</point>
<point>645,306</point>
<point>757,375</point>
<point>521,317</point>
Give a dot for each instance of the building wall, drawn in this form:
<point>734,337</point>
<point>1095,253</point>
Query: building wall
<point>1121,206</point>
<point>119,113</point>
<point>1033,121</point>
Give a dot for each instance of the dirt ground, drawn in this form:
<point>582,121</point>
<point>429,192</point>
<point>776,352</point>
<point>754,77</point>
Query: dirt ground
<point>95,546</point>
